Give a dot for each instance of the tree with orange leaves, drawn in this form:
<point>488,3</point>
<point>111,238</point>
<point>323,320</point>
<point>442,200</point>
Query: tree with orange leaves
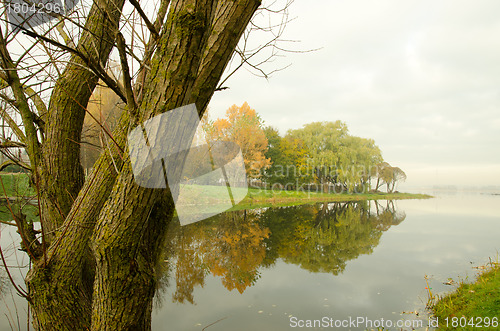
<point>244,127</point>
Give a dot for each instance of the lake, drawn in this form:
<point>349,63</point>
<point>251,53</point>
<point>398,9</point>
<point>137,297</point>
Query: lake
<point>332,264</point>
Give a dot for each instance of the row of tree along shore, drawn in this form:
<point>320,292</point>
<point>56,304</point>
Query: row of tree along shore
<point>319,157</point>
<point>320,154</point>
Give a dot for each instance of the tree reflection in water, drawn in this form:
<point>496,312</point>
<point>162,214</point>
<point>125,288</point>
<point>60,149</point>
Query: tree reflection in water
<point>235,245</point>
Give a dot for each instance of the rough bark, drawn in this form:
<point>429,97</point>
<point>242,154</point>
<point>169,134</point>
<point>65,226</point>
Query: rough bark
<point>196,44</point>
<point>60,289</point>
<point>125,262</point>
<point>65,280</point>
<point>61,175</point>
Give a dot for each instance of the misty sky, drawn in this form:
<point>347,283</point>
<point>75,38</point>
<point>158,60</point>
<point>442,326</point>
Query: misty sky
<point>422,78</point>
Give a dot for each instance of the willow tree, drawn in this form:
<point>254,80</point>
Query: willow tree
<point>93,264</point>
<point>338,157</point>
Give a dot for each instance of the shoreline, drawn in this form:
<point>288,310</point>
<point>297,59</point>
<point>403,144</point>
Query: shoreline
<point>260,198</point>
<point>472,306</point>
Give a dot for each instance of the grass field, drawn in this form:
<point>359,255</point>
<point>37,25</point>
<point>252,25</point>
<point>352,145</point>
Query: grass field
<point>212,197</point>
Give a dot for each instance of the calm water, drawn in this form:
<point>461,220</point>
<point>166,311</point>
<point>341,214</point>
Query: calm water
<point>267,269</point>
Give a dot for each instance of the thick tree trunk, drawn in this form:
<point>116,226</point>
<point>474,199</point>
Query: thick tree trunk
<point>125,261</point>
<point>197,42</point>
<point>61,288</point>
<point>126,253</point>
<point>61,175</point>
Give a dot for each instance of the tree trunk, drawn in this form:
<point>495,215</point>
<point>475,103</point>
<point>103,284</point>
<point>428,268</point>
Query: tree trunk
<point>111,228</point>
<point>61,175</point>
<point>126,261</point>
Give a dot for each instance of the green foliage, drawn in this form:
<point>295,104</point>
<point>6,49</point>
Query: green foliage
<point>337,157</point>
<point>385,173</point>
<point>288,158</point>
<point>319,153</point>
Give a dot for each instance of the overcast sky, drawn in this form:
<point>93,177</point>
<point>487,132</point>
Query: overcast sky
<point>422,78</point>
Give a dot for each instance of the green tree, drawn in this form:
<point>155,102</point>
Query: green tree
<point>382,173</point>
<point>398,175</point>
<point>337,157</point>
<point>388,175</point>
<point>356,158</point>
<point>288,160</point>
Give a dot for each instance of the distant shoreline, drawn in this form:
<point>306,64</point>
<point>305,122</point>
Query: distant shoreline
<point>260,198</point>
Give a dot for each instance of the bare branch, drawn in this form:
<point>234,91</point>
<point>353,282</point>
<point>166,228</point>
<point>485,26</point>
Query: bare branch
<point>7,163</point>
<point>3,112</point>
<point>132,107</point>
<point>93,64</point>
<point>64,35</point>
<point>250,55</point>
<point>11,144</point>
<point>150,26</point>
<point>13,125</point>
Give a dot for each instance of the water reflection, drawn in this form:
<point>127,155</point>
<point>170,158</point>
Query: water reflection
<point>236,245</point>
<point>323,238</point>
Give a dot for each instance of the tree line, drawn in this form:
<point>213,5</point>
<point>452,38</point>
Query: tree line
<point>320,155</point>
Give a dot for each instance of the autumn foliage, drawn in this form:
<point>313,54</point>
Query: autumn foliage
<point>242,126</point>
<point>101,117</point>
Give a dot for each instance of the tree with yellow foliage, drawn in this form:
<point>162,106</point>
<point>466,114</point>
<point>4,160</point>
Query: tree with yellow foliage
<point>101,118</point>
<point>244,127</point>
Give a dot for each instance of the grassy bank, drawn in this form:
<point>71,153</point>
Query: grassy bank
<point>267,198</point>
<point>213,197</point>
<point>15,185</point>
<point>473,306</point>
